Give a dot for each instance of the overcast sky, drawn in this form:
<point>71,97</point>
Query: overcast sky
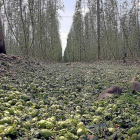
<point>66,20</point>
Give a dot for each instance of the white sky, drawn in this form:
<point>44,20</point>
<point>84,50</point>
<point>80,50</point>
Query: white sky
<point>66,20</point>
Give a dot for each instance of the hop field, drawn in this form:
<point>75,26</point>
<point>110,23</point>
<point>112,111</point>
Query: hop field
<point>55,101</point>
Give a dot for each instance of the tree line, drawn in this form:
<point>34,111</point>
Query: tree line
<point>110,30</point>
<point>31,28</point>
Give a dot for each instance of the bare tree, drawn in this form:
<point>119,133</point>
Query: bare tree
<point>2,43</point>
<point>98,26</point>
<point>32,28</point>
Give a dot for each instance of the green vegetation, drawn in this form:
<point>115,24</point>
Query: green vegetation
<point>119,31</point>
<point>59,101</point>
<point>32,29</point>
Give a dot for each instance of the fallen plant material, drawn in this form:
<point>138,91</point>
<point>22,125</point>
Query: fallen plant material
<point>135,84</point>
<point>90,136</point>
<point>124,61</point>
<point>104,95</point>
<point>91,71</point>
<point>124,81</point>
<point>56,101</point>
<point>109,92</point>
<point>68,64</point>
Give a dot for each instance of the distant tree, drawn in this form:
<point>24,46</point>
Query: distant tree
<point>2,43</point>
<point>32,28</point>
<point>69,53</point>
<point>98,27</point>
<point>74,49</point>
<point>78,29</point>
